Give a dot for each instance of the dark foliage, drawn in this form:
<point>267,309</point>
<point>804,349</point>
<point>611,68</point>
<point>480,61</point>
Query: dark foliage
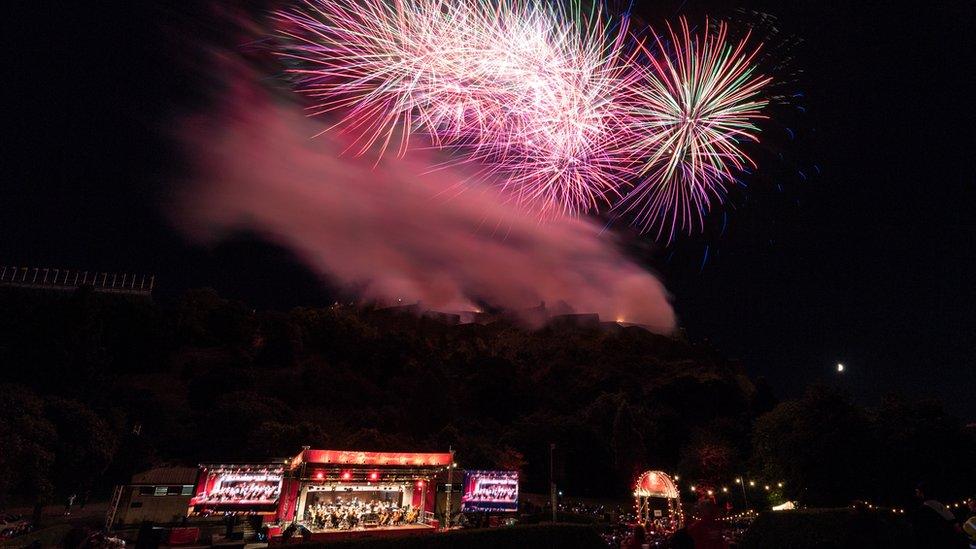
<point>211,379</point>
<point>831,451</point>
<point>829,529</point>
<point>98,386</point>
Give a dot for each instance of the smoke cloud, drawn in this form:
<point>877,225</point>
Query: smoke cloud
<point>393,228</point>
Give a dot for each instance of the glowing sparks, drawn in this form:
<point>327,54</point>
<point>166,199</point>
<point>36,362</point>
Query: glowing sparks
<point>561,148</point>
<point>698,101</point>
<point>549,101</point>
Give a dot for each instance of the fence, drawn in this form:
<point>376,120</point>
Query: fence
<point>66,279</point>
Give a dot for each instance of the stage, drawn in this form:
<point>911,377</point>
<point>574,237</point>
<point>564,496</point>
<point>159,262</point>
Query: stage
<point>359,533</point>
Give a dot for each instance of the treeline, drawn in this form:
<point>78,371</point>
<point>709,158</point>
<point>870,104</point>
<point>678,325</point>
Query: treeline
<point>97,387</point>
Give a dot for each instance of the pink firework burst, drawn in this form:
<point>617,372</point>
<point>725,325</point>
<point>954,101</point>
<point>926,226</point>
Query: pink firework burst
<point>528,91</point>
<point>387,69</point>
<point>562,148</point>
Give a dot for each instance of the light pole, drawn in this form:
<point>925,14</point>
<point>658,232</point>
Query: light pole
<point>552,483</point>
<point>450,487</point>
<point>745,498</point>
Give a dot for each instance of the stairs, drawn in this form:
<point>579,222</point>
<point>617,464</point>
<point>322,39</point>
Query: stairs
<point>113,507</point>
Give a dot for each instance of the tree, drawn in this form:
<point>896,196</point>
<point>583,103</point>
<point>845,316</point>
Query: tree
<point>921,442</point>
<point>85,445</point>
<point>821,445</point>
<point>711,456</point>
<point>28,447</point>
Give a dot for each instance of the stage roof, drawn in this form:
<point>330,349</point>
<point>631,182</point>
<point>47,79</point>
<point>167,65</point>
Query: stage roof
<point>387,459</point>
<point>655,484</point>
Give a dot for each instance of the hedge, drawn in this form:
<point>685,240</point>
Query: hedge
<point>562,516</point>
<point>828,529</point>
<point>544,536</point>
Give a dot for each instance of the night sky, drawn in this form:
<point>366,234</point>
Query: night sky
<point>867,263</point>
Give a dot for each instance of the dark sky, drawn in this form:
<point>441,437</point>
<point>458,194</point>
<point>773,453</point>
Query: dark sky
<point>868,263</point>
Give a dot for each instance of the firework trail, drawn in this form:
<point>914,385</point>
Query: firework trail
<point>698,101</point>
<point>552,100</point>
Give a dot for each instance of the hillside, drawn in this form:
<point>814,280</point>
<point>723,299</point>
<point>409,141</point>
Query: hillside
<point>206,378</point>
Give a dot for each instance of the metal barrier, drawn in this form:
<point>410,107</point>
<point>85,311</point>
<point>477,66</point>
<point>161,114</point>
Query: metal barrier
<point>37,277</point>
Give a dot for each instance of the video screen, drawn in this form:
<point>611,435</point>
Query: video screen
<point>239,488</point>
<point>490,492</point>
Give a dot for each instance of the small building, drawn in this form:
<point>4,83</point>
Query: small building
<point>160,495</point>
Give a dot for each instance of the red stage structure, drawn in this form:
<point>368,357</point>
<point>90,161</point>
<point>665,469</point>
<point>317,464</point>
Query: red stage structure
<point>332,494</point>
<point>393,476</point>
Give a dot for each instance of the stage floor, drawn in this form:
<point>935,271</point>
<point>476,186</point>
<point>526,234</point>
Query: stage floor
<point>360,533</point>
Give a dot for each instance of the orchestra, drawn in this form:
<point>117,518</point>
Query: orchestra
<point>358,514</point>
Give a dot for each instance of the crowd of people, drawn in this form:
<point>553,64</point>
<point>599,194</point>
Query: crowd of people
<point>358,514</point>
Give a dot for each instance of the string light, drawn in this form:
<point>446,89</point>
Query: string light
<point>675,516</point>
<point>753,484</point>
<point>874,507</point>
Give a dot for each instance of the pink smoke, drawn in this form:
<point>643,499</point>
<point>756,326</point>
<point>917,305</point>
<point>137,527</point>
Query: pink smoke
<point>394,229</point>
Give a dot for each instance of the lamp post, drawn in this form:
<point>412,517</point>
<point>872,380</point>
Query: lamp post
<point>450,487</point>
<point>552,483</point>
<point>745,498</point>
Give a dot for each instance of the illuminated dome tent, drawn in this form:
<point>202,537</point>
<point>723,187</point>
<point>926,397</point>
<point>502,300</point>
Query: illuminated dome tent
<point>656,500</point>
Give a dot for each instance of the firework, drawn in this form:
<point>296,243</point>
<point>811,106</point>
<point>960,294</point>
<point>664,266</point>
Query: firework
<point>382,65</point>
<point>561,147</point>
<point>526,90</point>
<point>696,104</point>
<point>391,68</point>
<point>541,97</point>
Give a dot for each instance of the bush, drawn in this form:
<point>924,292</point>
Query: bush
<point>562,517</point>
<point>828,529</point>
<point>558,536</point>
